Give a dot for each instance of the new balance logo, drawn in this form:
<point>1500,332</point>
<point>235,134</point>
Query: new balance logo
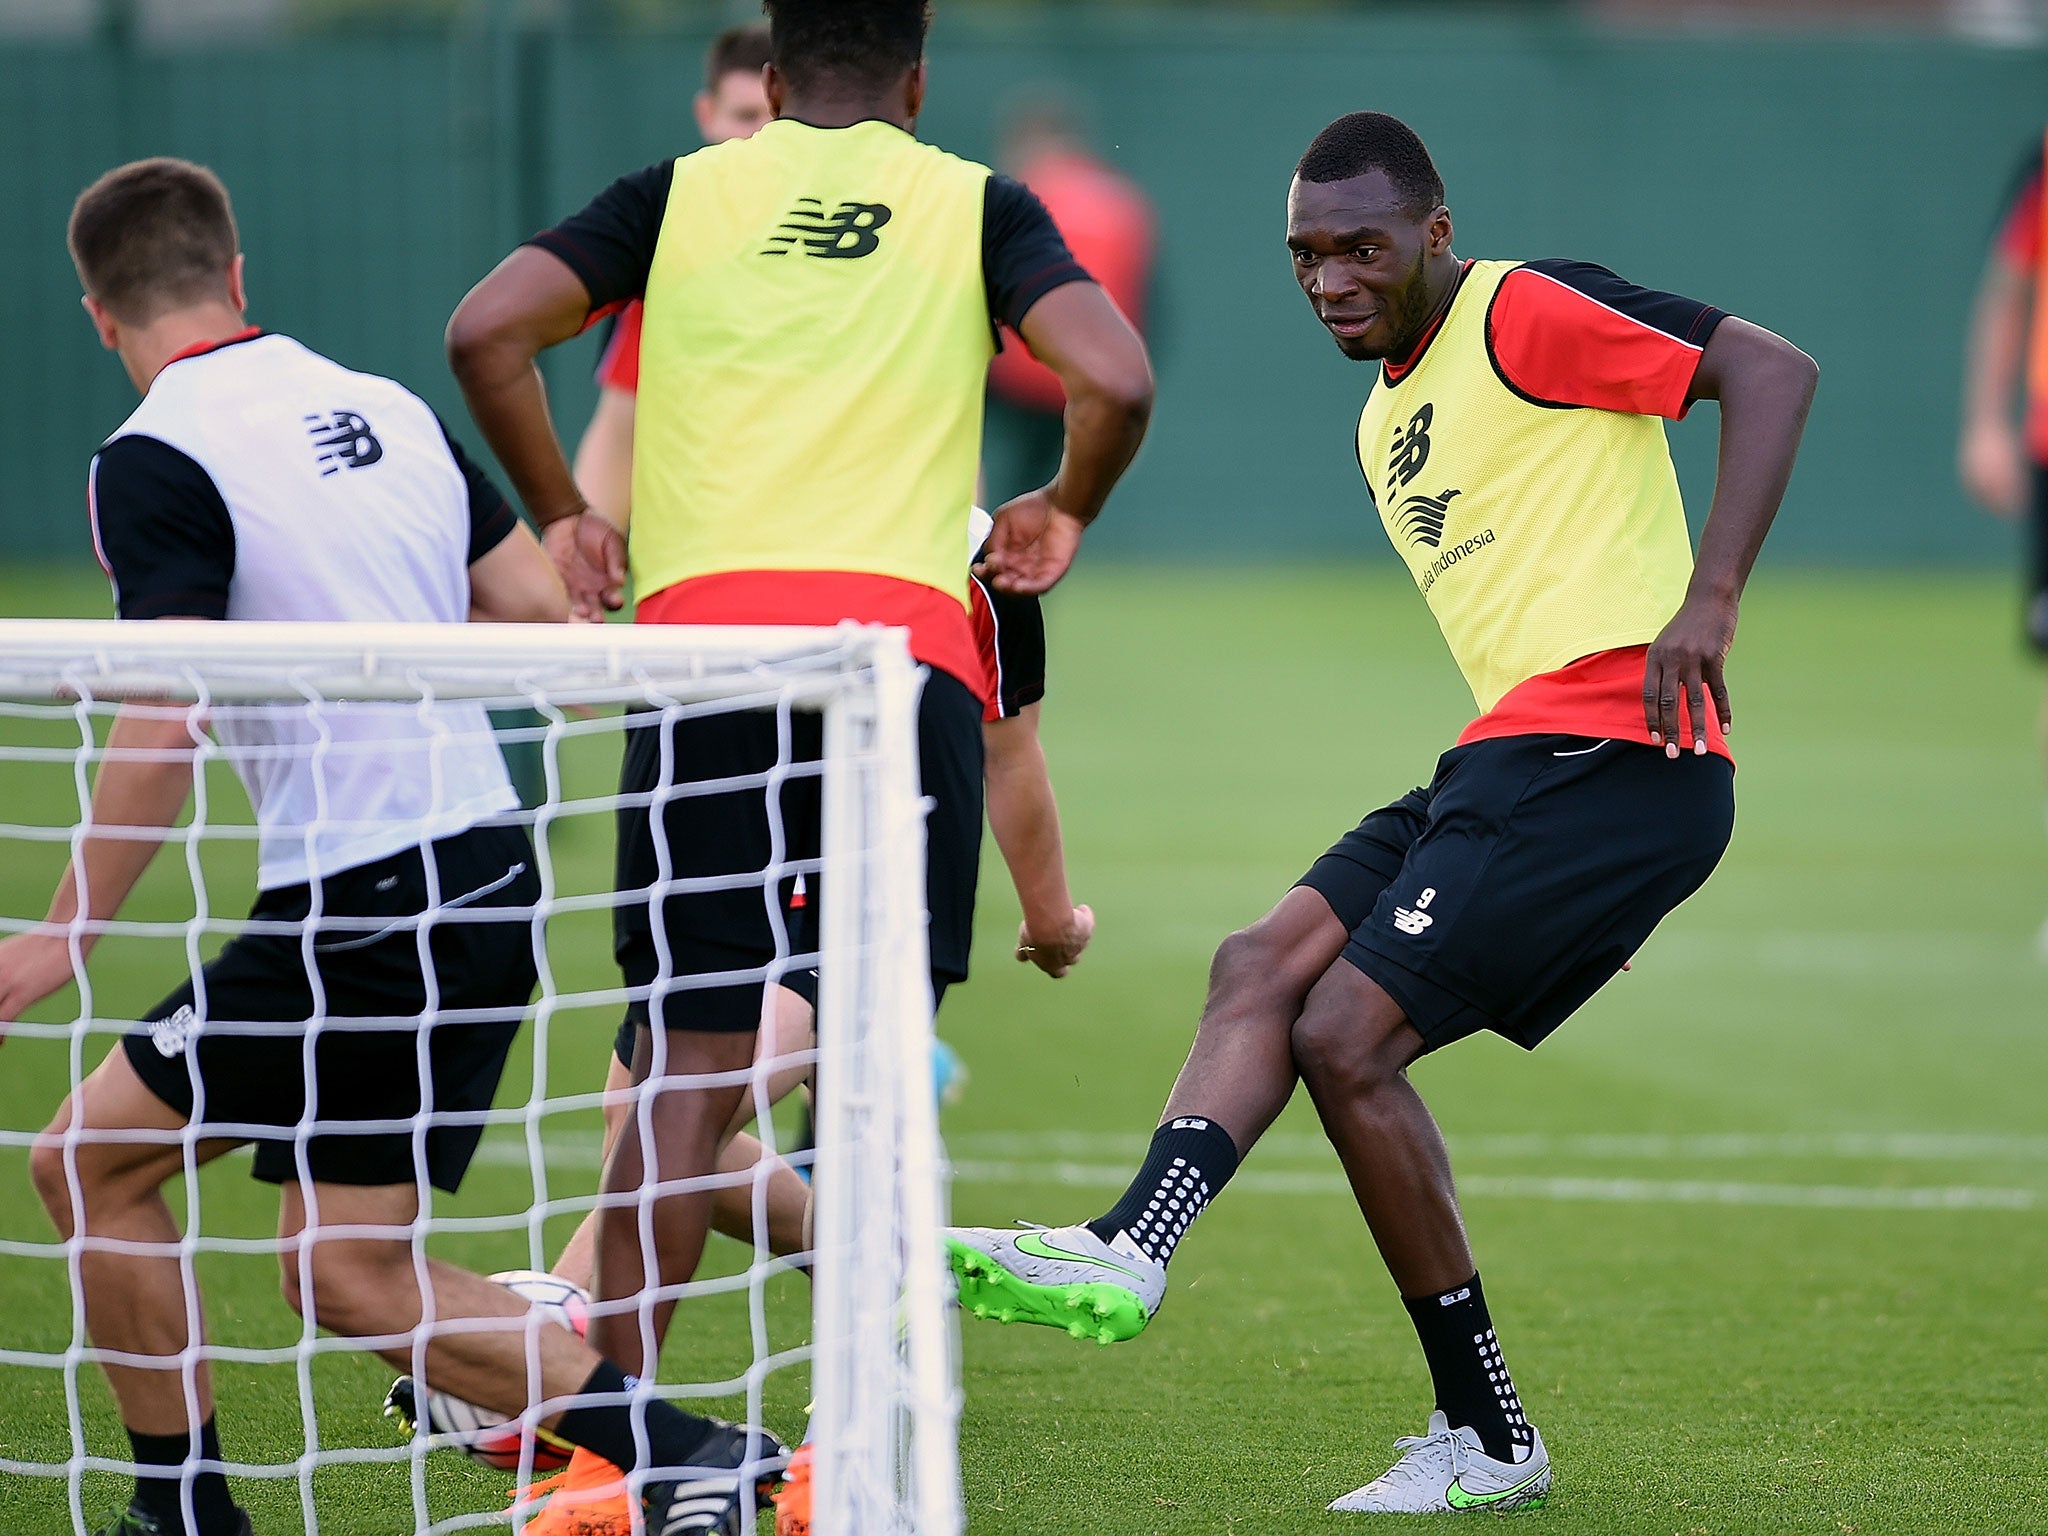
<point>345,441</point>
<point>1421,518</point>
<point>1411,449</point>
<point>1416,919</point>
<point>848,231</point>
<point>170,1036</point>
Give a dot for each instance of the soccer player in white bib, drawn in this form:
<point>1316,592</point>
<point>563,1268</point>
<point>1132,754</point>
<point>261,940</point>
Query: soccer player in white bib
<point>259,480</point>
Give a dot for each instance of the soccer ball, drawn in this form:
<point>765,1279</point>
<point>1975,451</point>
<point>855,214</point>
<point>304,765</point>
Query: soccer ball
<point>477,1432</point>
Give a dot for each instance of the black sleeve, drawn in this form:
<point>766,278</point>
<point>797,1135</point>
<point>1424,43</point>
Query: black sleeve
<point>610,244</point>
<point>162,530</point>
<point>1019,624</point>
<point>1023,254</point>
<point>491,518</point>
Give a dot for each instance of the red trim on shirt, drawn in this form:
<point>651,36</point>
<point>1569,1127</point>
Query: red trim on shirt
<point>988,646</point>
<point>940,635</point>
<point>1599,696</point>
<point>1560,346</point>
<point>1394,371</point>
<point>619,368</point>
<point>201,348</point>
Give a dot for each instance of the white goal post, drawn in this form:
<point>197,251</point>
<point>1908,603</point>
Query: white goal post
<point>882,1354</point>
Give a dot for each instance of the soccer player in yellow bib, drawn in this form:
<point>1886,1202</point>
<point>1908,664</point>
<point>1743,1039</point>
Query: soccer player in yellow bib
<point>1514,448</point>
<point>820,304</point>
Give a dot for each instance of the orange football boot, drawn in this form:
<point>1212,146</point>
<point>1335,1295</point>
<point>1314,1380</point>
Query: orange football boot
<point>587,1498</point>
<point>793,1498</point>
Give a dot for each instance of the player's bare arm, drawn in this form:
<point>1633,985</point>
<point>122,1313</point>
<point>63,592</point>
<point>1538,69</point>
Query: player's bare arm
<point>1990,458</point>
<point>516,583</point>
<point>1078,333</point>
<point>1026,821</point>
<point>1765,386</point>
<point>531,301</point>
<point>142,786</point>
<point>604,457</point>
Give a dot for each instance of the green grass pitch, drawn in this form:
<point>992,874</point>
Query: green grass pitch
<point>1765,1228</point>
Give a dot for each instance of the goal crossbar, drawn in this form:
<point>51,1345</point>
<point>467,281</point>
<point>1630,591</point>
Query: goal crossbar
<point>117,658</point>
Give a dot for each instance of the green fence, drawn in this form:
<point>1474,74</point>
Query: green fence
<point>1837,188</point>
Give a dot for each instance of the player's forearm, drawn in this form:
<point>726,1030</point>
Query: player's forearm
<point>529,303</point>
<point>142,784</point>
<point>604,459</point>
<point>1997,343</point>
<point>1026,821</point>
<point>1765,386</point>
<point>1102,366</point>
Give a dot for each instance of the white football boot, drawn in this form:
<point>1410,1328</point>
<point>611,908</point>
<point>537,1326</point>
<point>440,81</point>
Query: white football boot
<point>1061,1277</point>
<point>1446,1471</point>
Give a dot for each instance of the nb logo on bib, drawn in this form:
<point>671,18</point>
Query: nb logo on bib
<point>345,441</point>
<point>848,231</point>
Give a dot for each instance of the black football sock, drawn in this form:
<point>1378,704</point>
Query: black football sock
<point>1189,1162</point>
<point>606,1429</point>
<point>1471,1379</point>
<point>159,1490</point>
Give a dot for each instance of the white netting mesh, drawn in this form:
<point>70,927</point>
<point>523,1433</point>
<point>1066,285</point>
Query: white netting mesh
<point>866,1339</point>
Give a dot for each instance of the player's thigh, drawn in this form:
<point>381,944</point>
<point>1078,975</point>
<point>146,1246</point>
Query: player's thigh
<point>1546,863</point>
<point>725,798</point>
<point>92,1142</point>
<point>1294,945</point>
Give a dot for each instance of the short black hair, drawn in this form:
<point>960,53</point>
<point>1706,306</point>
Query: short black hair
<point>735,51</point>
<point>1365,141</point>
<point>152,236</point>
<point>868,43</point>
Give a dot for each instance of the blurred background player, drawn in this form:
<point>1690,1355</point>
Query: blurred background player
<point>2003,457</point>
<point>1109,225</point>
<point>1514,446</point>
<point>261,481</point>
<point>732,105</point>
<point>814,353</point>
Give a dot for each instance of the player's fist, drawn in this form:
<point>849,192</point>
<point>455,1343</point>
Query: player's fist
<point>1057,953</point>
<point>32,966</point>
<point>591,555</point>
<point>1031,545</point>
<point>1993,467</point>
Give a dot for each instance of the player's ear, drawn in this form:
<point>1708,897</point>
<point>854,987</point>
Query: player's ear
<point>102,321</point>
<point>701,107</point>
<point>914,99</point>
<point>1439,231</point>
<point>238,295</point>
<point>776,87</point>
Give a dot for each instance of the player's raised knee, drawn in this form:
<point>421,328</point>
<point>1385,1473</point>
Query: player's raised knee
<point>1337,1049</point>
<point>352,1289</point>
<point>52,1181</point>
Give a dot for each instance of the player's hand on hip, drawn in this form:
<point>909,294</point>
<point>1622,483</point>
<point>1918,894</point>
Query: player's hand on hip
<point>1687,662</point>
<point>32,966</point>
<point>1993,467</point>
<point>1057,953</point>
<point>1031,546</point>
<point>591,555</point>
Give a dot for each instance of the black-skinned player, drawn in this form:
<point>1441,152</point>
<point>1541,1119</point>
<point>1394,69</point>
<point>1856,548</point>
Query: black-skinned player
<point>1514,447</point>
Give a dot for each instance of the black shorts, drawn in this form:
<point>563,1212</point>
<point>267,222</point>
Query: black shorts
<point>202,1059</point>
<point>1532,867</point>
<point>728,934</point>
<point>2037,565</point>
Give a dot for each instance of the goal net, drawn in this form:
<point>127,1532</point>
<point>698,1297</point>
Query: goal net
<point>851,1341</point>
